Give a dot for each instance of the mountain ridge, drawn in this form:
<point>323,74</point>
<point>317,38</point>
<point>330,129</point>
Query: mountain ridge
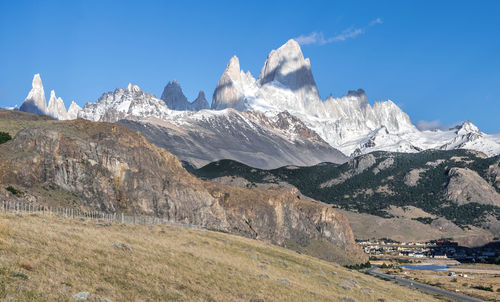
<point>286,83</point>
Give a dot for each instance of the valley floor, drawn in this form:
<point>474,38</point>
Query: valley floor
<point>480,281</point>
<point>53,258</point>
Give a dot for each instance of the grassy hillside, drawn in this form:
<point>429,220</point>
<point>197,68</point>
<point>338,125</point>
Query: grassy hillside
<point>13,121</point>
<point>382,184</point>
<point>51,259</point>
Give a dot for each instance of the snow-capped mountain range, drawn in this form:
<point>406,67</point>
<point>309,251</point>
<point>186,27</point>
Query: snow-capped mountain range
<point>285,86</point>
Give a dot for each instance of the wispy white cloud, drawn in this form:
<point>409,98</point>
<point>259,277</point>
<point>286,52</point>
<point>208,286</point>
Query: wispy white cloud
<point>318,38</point>
<point>312,38</point>
<point>431,125</point>
<point>375,22</point>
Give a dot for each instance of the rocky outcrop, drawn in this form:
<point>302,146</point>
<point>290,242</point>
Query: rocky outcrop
<point>413,176</point>
<point>114,170</point>
<point>356,166</point>
<point>467,186</point>
<point>268,214</point>
<point>385,164</point>
<point>494,174</point>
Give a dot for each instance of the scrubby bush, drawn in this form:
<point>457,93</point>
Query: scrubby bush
<point>486,288</point>
<point>360,266</point>
<point>13,190</point>
<point>4,137</point>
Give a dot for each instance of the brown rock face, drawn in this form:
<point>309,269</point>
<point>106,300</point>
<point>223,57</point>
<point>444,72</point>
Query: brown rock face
<point>494,174</point>
<point>413,176</point>
<point>277,216</point>
<point>113,169</point>
<point>357,166</point>
<point>467,186</point>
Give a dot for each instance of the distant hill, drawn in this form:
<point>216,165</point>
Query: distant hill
<point>459,185</point>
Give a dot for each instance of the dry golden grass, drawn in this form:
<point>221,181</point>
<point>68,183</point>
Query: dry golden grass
<point>14,121</point>
<point>4,231</point>
<point>50,259</point>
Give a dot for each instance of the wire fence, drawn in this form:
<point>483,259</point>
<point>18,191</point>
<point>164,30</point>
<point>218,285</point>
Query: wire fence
<point>21,207</point>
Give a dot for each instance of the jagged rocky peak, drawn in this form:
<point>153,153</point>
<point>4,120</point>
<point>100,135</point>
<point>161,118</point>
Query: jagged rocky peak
<point>173,96</point>
<point>201,96</point>
<point>233,68</point>
<point>467,127</point>
<point>56,107</point>
<point>352,106</point>
<point>133,88</point>
<point>175,99</point>
<point>122,103</point>
<point>391,116</point>
<point>360,93</point>
<point>288,66</point>
<point>73,110</point>
<point>201,102</point>
<point>357,97</point>
<point>468,136</point>
<point>231,88</point>
<point>37,81</point>
<point>35,102</point>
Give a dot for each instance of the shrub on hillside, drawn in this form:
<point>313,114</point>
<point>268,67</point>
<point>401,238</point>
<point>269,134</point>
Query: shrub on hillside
<point>13,190</point>
<point>481,287</point>
<point>4,137</point>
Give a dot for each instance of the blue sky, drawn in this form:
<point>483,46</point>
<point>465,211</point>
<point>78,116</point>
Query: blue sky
<point>438,60</point>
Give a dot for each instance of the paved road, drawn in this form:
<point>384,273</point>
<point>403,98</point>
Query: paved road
<point>423,287</point>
